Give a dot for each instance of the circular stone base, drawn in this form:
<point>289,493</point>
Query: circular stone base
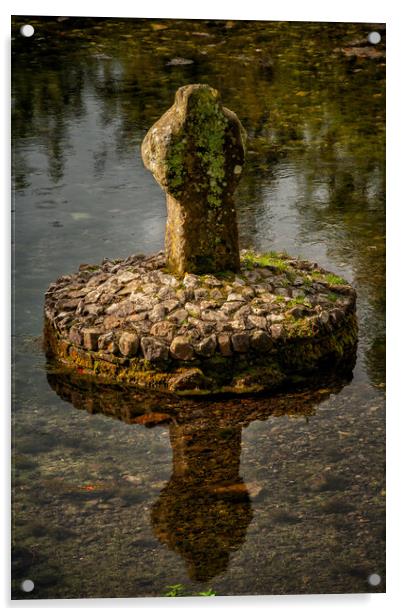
<point>280,321</point>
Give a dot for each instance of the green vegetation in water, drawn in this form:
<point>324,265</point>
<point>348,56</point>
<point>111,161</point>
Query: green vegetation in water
<point>179,590</point>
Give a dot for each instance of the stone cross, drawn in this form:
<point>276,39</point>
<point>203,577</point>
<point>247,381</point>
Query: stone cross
<point>196,154</point>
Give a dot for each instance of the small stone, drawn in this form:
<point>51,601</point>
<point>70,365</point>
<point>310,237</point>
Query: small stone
<point>207,347</point>
<point>164,329</point>
<point>193,309</point>
<point>260,341</point>
<point>224,345</point>
<point>125,308</point>
<point>231,307</point>
<point>126,276</point>
<point>262,288</point>
<point>336,315</point>
<point>213,315</point>
<point>90,337</point>
<point>157,313</point>
<point>238,324</point>
<point>150,288</point>
<point>216,294</point>
<point>239,282</point>
<point>324,317</point>
<point>276,318</point>
<point>107,343</point>
<point>92,310</point>
<point>200,294</point>
<point>276,331</point>
<point>235,297</point>
<point>93,296</point>
<point>297,312</point>
<point>241,342</point>
<point>111,321</point>
<point>212,281</point>
<point>281,291</point>
<point>75,336</point>
<point>69,304</point>
<point>190,332</point>
<point>154,350</point>
<point>128,344</point>
<point>193,378</point>
<point>138,317</point>
<point>139,304</point>
<point>252,276</point>
<point>243,312</point>
<point>171,304</point>
<point>204,327</point>
<point>256,321</point>
<point>248,293</point>
<point>112,308</point>
<point>178,316</point>
<point>206,304</point>
<point>268,298</point>
<point>191,280</point>
<point>168,279</point>
<point>181,348</point>
<point>182,295</point>
<point>79,292</point>
<point>166,293</point>
<point>260,310</point>
<point>298,281</point>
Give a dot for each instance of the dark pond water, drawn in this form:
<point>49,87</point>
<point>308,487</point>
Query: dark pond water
<point>267,496</point>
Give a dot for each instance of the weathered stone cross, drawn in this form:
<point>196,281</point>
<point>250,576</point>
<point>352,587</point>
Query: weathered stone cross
<point>196,154</point>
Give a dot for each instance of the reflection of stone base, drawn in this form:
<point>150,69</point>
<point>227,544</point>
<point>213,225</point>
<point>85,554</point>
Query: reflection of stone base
<point>150,407</point>
<point>278,322</point>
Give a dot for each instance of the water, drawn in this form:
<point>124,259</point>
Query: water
<point>276,495</point>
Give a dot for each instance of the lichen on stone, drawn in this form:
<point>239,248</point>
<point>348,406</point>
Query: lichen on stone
<point>196,153</point>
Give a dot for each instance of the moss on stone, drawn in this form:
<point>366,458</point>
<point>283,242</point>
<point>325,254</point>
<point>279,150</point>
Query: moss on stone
<point>329,278</point>
<point>199,143</point>
<point>272,259</point>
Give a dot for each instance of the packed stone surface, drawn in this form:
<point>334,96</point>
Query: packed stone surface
<point>133,312</point>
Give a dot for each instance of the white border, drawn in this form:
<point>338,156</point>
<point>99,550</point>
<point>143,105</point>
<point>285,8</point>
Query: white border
<point>295,10</point>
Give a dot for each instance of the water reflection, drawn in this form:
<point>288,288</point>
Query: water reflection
<point>204,510</point>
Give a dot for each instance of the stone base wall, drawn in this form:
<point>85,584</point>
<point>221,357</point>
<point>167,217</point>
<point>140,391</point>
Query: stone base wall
<point>278,322</point>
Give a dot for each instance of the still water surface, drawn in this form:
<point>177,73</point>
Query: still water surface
<point>270,496</point>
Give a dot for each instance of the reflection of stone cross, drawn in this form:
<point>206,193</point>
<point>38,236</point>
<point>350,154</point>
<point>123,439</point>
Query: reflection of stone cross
<point>196,153</point>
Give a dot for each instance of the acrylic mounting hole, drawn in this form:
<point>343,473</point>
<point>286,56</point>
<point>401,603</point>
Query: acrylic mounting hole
<point>374,579</point>
<point>374,38</point>
<point>27,30</point>
<point>27,585</point>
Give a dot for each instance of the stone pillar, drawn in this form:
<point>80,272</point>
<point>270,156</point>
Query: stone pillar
<point>196,154</point>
